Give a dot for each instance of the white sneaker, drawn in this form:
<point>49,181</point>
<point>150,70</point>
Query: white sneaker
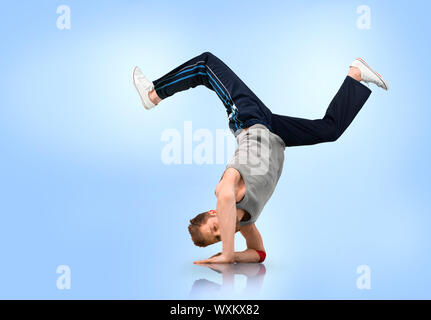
<point>143,85</point>
<point>369,75</point>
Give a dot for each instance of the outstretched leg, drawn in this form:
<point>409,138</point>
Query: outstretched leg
<point>243,107</point>
<point>341,111</point>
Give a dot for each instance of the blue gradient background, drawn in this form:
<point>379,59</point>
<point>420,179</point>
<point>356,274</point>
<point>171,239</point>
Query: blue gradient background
<point>82,182</point>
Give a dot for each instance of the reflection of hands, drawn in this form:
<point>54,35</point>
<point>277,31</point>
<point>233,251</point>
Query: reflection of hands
<point>246,269</point>
<point>221,268</point>
<point>255,273</point>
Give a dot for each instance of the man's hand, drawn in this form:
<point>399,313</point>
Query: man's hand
<point>218,258</point>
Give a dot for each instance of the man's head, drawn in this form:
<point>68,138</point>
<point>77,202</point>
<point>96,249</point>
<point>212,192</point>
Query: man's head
<point>204,229</point>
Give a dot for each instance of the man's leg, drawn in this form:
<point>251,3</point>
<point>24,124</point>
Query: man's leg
<point>243,107</point>
<point>341,111</point>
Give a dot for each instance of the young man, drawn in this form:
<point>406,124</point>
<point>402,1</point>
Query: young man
<point>250,178</point>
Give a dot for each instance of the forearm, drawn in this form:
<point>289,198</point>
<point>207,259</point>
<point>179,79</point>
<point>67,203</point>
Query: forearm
<point>247,256</point>
<point>227,220</point>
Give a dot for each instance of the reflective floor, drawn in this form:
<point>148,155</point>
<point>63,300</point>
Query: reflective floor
<point>83,184</point>
<point>228,284</point>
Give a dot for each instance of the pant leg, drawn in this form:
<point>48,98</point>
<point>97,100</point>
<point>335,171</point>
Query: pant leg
<point>243,107</point>
<point>343,108</point>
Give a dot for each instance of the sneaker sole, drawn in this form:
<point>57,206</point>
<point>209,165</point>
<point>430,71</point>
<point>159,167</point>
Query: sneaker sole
<point>378,75</point>
<point>136,87</point>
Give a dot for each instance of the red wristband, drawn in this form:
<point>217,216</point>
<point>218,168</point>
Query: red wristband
<point>262,255</point>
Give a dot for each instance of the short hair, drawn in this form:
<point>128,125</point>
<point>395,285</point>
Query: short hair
<point>195,231</point>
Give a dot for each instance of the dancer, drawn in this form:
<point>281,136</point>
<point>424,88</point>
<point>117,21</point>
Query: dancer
<point>252,175</point>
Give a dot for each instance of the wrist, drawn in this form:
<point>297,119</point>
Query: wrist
<point>235,257</point>
<point>230,256</point>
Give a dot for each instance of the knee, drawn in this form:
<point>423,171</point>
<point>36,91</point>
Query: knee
<point>207,55</point>
<point>333,134</point>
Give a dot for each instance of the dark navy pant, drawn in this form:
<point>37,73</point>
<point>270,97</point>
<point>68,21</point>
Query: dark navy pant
<point>245,109</point>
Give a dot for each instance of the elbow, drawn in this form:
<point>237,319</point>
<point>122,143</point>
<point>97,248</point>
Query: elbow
<point>262,255</point>
<point>225,196</point>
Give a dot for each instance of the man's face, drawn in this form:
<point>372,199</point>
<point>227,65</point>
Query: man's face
<point>210,230</point>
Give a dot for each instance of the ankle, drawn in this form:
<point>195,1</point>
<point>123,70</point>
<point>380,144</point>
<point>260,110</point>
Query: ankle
<point>355,73</point>
<point>154,97</point>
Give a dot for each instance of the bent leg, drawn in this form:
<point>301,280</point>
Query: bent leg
<point>242,106</point>
<point>343,108</point>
